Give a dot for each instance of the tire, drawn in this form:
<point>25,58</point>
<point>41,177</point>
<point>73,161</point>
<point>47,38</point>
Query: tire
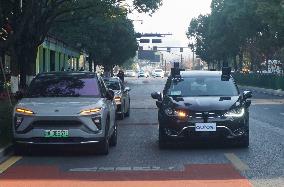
<point>163,142</point>
<point>127,114</point>
<point>104,145</point>
<point>113,139</point>
<point>243,142</point>
<point>121,116</point>
<point>21,150</point>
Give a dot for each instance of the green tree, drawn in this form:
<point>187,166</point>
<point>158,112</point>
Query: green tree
<point>32,22</point>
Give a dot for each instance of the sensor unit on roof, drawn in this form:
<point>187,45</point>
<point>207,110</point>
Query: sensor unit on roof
<point>226,73</point>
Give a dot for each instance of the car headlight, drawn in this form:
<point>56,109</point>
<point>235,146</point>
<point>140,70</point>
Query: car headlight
<point>176,113</point>
<point>90,111</point>
<point>24,111</point>
<point>236,113</point>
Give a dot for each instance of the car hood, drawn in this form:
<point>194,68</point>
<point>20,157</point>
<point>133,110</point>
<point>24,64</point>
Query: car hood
<point>59,106</point>
<point>207,103</point>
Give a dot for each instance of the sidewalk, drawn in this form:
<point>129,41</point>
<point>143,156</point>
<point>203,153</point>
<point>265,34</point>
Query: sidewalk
<point>263,90</point>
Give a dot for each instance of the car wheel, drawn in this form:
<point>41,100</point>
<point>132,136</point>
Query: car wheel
<point>163,143</point>
<point>104,145</point>
<point>121,116</point>
<point>113,139</point>
<point>21,150</point>
<point>127,114</point>
<point>243,141</point>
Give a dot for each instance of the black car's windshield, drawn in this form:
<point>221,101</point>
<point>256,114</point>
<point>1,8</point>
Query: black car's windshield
<point>202,86</point>
<point>112,84</point>
<point>63,86</point>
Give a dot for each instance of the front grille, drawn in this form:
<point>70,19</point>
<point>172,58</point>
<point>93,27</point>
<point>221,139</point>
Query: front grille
<point>56,123</point>
<point>203,115</point>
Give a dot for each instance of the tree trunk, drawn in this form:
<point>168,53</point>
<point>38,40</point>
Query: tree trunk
<point>241,60</point>
<point>25,58</point>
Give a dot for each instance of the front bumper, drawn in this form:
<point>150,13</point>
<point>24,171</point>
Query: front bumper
<point>57,141</point>
<point>81,129</point>
<point>225,129</point>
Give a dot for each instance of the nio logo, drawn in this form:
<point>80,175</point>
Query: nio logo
<point>56,110</point>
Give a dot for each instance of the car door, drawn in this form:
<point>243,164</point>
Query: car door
<point>125,97</point>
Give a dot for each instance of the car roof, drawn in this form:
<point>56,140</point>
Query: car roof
<point>197,73</point>
<point>111,78</point>
<point>68,73</point>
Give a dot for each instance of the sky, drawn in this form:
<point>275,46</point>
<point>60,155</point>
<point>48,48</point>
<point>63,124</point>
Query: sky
<point>173,17</point>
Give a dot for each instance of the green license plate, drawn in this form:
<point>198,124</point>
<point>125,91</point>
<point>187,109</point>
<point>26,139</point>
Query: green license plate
<point>56,133</point>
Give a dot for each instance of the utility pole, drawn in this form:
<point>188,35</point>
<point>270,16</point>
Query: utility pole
<point>181,60</point>
<point>165,66</point>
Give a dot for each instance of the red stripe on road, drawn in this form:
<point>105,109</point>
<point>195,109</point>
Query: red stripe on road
<point>209,175</point>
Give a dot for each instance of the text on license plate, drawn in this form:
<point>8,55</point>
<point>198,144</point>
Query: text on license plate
<point>208,127</point>
<point>56,133</point>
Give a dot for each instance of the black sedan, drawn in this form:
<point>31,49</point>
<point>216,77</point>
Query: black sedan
<point>203,105</point>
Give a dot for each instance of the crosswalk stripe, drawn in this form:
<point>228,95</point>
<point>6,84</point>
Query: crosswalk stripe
<point>8,163</point>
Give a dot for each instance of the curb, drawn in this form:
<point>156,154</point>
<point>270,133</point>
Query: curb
<point>279,92</point>
<point>6,152</point>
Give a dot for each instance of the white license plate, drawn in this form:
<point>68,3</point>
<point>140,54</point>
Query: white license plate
<point>205,127</point>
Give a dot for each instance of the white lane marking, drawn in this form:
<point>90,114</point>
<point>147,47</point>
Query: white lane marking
<point>112,169</point>
<point>282,114</point>
<point>8,163</point>
<point>123,169</point>
<point>266,108</point>
<point>238,164</point>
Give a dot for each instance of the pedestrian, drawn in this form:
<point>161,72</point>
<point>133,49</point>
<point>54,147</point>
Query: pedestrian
<point>121,75</point>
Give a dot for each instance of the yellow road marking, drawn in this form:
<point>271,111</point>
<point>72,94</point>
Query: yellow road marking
<point>238,164</point>
<point>8,163</point>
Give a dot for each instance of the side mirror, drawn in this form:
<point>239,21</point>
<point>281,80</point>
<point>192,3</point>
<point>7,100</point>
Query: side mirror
<point>156,95</point>
<point>127,89</point>
<point>19,95</point>
<point>247,94</point>
<point>110,95</point>
<point>248,103</point>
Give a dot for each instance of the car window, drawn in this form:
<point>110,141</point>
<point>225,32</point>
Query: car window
<point>202,86</point>
<point>112,84</point>
<point>63,86</point>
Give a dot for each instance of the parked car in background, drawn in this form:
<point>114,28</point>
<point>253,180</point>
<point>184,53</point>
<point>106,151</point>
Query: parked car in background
<point>122,96</point>
<point>130,73</point>
<point>159,73</point>
<point>65,108</point>
<point>143,74</point>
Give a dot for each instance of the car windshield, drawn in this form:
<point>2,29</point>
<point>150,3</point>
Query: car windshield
<point>112,84</point>
<point>159,70</point>
<point>63,86</point>
<point>202,86</point>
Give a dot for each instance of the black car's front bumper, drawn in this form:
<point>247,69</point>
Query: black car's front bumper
<point>225,128</point>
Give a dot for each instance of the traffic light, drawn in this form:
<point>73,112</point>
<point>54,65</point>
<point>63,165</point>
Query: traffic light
<point>181,50</point>
<point>155,48</point>
<point>168,49</point>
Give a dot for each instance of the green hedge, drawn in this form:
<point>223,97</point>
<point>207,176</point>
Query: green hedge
<point>270,81</point>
